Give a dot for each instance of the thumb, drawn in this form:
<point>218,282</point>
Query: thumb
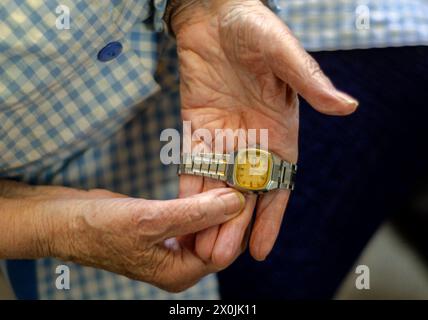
<point>199,212</point>
<point>293,65</point>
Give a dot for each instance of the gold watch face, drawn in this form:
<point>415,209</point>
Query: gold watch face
<point>252,169</point>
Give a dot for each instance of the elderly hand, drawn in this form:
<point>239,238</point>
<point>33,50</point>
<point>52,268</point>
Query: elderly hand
<point>242,68</point>
<point>111,231</point>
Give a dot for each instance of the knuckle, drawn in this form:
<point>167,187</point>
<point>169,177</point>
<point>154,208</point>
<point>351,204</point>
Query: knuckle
<point>167,271</point>
<point>313,67</point>
<point>197,212</point>
<point>145,216</point>
<point>164,278</point>
<point>139,266</point>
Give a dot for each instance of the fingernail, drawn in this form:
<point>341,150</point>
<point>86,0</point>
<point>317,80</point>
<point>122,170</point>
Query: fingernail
<point>234,201</point>
<point>347,99</point>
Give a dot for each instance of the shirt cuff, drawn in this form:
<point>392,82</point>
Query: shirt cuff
<point>274,5</point>
<point>160,6</point>
<point>159,12</point>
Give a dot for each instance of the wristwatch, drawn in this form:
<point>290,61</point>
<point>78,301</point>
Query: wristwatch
<point>251,170</point>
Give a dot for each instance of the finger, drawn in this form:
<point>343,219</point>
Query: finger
<point>190,185</point>
<point>178,270</point>
<point>205,239</point>
<point>189,215</point>
<point>292,64</point>
<point>270,212</point>
<point>228,245</point>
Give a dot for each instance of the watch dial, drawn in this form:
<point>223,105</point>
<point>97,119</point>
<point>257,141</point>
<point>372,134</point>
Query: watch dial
<point>252,169</point>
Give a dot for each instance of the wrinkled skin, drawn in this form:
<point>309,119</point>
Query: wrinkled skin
<point>111,231</point>
<point>241,68</point>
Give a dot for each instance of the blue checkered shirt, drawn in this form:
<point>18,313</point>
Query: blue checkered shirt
<point>67,118</point>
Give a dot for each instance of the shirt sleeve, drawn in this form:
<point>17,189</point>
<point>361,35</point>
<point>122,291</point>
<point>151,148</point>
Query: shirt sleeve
<point>160,7</point>
<point>274,5</point>
<point>159,12</point>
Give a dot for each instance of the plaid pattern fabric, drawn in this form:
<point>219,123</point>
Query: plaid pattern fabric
<point>126,162</point>
<point>336,24</point>
<point>68,119</point>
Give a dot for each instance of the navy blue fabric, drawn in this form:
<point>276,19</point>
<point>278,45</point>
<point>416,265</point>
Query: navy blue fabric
<point>353,173</point>
<point>22,275</point>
